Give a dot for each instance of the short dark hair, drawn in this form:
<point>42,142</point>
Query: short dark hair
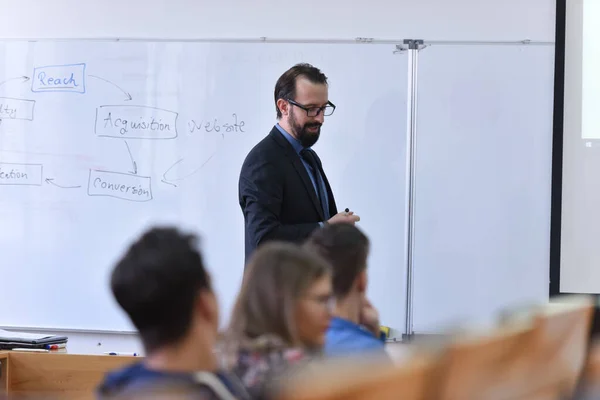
<point>157,281</point>
<point>346,248</point>
<point>285,88</point>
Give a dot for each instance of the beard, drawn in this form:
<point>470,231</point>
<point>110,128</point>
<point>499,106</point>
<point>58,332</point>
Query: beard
<point>306,137</point>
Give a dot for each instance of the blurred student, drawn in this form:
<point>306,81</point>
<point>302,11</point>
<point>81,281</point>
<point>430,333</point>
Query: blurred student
<point>280,317</point>
<point>355,325</point>
<point>162,284</point>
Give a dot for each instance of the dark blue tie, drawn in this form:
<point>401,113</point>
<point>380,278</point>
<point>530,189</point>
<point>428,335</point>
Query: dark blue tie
<point>311,158</point>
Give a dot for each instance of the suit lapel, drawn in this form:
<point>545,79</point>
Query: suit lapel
<point>300,169</point>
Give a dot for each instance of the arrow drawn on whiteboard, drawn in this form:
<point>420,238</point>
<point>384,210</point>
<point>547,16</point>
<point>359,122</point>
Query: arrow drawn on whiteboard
<point>22,78</point>
<point>127,94</point>
<point>131,157</point>
<point>164,179</point>
<point>170,181</point>
<point>51,182</point>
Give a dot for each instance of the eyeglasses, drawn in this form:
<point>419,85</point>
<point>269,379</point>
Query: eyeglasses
<point>327,109</point>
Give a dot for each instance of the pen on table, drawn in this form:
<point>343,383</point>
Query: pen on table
<point>56,346</point>
<point>118,353</point>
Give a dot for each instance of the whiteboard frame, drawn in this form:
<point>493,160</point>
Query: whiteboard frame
<point>411,125</point>
<point>264,39</point>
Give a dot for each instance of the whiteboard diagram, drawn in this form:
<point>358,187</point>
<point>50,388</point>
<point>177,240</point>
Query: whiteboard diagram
<point>121,122</point>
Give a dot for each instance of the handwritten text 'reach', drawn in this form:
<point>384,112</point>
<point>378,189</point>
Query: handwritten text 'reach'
<point>59,78</point>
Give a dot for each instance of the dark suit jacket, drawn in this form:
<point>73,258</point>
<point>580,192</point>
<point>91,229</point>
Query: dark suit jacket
<point>276,194</point>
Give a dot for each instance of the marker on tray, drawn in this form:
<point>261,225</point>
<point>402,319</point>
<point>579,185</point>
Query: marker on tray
<point>56,346</point>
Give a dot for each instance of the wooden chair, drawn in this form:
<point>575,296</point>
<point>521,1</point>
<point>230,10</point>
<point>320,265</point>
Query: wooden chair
<point>589,386</point>
<point>360,379</point>
<point>488,366</point>
<point>561,346</point>
<point>536,356</point>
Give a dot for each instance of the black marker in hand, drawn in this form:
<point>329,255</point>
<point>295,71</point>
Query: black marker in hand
<point>345,216</point>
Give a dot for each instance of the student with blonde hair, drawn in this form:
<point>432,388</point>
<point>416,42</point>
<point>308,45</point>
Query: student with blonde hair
<point>280,318</point>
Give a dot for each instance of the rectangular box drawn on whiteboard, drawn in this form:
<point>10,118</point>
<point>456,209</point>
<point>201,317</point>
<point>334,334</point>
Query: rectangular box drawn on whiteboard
<point>135,122</point>
<point>59,78</point>
<point>11,108</point>
<point>119,185</point>
<point>21,174</point>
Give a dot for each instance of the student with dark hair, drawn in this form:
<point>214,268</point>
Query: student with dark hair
<point>355,325</point>
<point>283,190</point>
<point>163,286</point>
<point>280,318</point>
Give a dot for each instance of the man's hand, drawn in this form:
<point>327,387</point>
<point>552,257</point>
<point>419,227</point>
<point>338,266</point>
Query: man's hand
<point>369,317</point>
<point>344,218</point>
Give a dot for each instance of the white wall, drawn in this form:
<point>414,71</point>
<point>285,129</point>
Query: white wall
<point>504,20</point>
<point>392,19</point>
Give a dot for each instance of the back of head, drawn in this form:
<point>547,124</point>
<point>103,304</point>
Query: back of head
<point>276,276</point>
<point>346,248</point>
<point>157,282</point>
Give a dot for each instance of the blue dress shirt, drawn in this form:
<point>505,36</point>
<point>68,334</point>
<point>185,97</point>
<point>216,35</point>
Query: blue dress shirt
<point>344,338</point>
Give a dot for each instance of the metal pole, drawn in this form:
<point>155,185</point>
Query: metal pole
<point>411,154</point>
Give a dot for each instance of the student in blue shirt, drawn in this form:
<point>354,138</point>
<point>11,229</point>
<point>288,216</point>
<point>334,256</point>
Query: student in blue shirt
<point>163,286</point>
<point>355,326</point>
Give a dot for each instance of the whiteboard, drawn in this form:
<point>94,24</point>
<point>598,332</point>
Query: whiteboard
<point>100,140</point>
<point>483,179</point>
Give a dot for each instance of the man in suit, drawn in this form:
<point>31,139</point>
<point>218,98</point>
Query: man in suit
<point>283,190</point>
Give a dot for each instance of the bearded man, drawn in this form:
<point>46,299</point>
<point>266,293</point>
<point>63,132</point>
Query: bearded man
<point>283,190</point>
